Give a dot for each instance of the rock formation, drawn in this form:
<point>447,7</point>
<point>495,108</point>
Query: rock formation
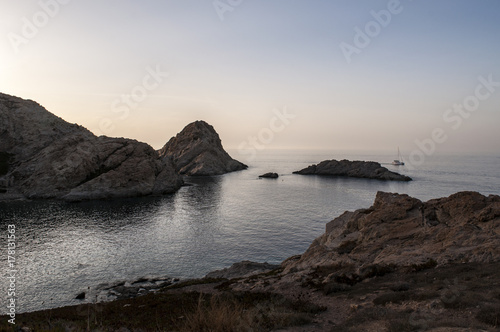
<point>401,231</point>
<point>269,176</point>
<point>242,269</point>
<point>43,156</point>
<point>356,169</point>
<point>197,150</point>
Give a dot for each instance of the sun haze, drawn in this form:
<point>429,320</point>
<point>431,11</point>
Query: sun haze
<point>364,75</point>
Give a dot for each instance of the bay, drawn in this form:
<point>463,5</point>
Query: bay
<point>64,248</point>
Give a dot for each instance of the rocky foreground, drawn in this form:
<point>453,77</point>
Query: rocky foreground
<point>400,265</point>
<point>43,156</point>
<point>401,258</point>
<point>355,169</point>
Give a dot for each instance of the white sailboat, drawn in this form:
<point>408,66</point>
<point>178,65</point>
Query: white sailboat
<point>399,161</point>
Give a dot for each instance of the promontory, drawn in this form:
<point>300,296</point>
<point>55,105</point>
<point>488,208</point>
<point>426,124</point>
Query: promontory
<point>43,156</point>
<point>197,151</point>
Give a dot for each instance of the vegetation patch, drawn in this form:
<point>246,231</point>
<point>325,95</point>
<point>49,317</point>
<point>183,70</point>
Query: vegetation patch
<point>431,263</point>
<point>188,311</point>
<point>489,315</point>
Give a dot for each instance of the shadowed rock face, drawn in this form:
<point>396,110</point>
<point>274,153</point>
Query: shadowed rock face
<point>47,157</point>
<point>197,150</point>
<point>356,169</point>
<point>400,230</point>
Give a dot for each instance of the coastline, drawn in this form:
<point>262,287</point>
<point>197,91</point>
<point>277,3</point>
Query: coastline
<point>318,295</point>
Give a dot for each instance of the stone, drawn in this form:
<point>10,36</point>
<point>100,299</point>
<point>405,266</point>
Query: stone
<point>401,231</point>
<point>197,151</point>
<point>43,156</point>
<point>355,169</point>
<point>242,269</point>
<point>269,176</point>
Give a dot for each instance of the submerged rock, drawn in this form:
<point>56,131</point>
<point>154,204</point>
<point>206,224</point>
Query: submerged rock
<point>356,169</point>
<point>197,150</point>
<point>43,156</point>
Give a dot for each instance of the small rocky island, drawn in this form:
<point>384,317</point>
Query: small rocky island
<point>43,156</point>
<point>270,175</point>
<point>354,169</point>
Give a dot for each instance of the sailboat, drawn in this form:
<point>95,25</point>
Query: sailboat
<point>399,161</point>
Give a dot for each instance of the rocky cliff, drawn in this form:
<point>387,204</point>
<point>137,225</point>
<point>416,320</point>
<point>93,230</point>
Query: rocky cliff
<point>43,156</point>
<point>197,150</point>
<point>399,230</point>
<point>356,169</point>
<point>400,265</point>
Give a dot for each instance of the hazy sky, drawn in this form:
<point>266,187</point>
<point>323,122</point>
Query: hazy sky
<point>363,75</point>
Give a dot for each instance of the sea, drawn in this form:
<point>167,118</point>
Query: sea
<point>63,249</point>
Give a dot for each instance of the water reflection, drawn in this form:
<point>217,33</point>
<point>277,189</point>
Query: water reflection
<point>202,197</point>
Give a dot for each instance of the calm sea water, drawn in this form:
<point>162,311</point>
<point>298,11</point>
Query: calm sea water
<point>64,248</point>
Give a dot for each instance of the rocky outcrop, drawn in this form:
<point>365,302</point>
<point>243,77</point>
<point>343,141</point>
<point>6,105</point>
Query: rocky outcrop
<point>269,176</point>
<point>401,231</point>
<point>242,269</point>
<point>129,289</point>
<point>355,169</point>
<point>197,150</point>
<point>43,156</point>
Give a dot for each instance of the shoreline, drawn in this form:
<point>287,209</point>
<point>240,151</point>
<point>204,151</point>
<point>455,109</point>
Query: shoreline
<point>400,265</point>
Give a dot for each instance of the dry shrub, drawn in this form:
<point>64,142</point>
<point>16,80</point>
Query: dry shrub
<point>247,312</point>
<point>489,315</point>
<point>216,315</point>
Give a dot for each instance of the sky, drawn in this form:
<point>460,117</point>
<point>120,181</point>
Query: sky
<point>340,75</point>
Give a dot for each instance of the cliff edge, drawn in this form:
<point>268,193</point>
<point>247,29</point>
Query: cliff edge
<point>43,156</point>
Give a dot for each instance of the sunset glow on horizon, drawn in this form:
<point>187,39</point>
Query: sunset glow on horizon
<point>365,75</point>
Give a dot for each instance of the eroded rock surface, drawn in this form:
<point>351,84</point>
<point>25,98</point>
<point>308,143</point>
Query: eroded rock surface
<point>399,230</point>
<point>197,150</point>
<point>43,156</point>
